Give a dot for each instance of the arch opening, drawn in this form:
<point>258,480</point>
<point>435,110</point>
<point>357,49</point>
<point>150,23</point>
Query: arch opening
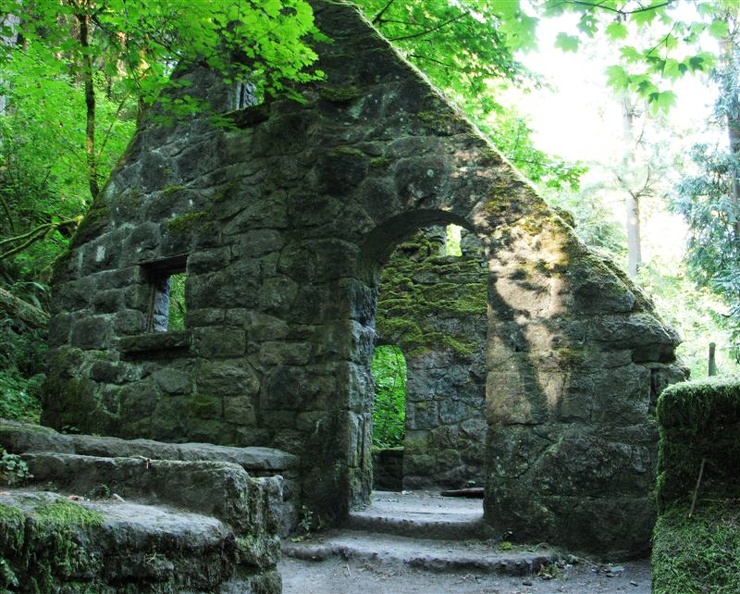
<point>432,306</point>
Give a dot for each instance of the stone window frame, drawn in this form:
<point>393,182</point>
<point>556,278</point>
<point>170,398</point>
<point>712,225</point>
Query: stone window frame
<point>158,274</point>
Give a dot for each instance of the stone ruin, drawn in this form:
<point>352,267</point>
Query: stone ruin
<point>282,224</point>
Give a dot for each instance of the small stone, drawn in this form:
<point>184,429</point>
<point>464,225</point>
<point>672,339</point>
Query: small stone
<point>527,583</point>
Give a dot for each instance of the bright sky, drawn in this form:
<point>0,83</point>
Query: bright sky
<point>578,119</point>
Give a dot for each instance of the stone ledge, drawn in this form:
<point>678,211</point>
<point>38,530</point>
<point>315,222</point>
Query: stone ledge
<point>163,343</point>
<point>112,546</point>
<point>234,484</point>
<point>20,437</point>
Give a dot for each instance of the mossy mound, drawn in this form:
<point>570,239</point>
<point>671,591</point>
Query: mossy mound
<point>699,428</point>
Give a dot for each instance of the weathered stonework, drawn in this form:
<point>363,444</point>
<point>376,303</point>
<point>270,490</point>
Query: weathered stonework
<point>283,224</point>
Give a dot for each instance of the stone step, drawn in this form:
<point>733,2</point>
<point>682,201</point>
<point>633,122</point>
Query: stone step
<point>427,554</point>
<point>422,514</point>
<point>54,543</point>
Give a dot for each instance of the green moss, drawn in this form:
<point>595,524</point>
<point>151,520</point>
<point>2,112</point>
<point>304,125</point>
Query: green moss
<point>420,290</point>
<point>380,162</point>
<point>173,190</point>
<point>204,406</point>
<point>697,554</point>
<point>570,357</point>
<point>43,544</point>
<point>95,220</point>
<point>258,550</point>
<point>340,94</point>
<point>185,223</point>
<point>699,423</point>
<point>130,198</point>
<point>227,191</point>
<point>347,151</point>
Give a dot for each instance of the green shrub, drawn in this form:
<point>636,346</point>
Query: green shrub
<point>389,413</point>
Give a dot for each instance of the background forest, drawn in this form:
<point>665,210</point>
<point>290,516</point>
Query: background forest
<point>660,194</point>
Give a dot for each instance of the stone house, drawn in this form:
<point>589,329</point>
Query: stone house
<point>281,225</point>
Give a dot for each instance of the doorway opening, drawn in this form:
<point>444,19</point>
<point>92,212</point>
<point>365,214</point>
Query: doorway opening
<point>432,311</point>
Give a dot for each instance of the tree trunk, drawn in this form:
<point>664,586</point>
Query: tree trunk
<point>632,200</point>
<point>87,79</point>
<point>11,21</point>
<point>18,309</point>
<point>634,238</point>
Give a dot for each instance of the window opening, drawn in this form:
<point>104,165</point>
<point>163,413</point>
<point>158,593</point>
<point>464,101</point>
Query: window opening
<point>167,304</point>
<point>452,243</point>
<point>389,412</point>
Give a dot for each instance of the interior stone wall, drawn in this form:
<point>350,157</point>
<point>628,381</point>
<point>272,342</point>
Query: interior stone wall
<point>282,224</point>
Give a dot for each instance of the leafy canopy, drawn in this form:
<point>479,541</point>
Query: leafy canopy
<point>138,42</point>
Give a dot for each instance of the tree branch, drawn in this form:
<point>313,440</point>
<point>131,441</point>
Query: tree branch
<point>378,17</point>
<point>35,235</point>
<point>619,11</point>
<point>432,30</point>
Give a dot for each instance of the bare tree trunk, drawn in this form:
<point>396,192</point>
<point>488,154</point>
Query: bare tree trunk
<point>17,309</point>
<point>634,238</point>
<point>87,79</point>
<point>632,200</point>
<point>11,21</point>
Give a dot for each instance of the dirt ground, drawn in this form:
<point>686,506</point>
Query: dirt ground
<point>335,576</point>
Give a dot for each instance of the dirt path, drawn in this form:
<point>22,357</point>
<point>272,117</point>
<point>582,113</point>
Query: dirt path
<point>335,576</point>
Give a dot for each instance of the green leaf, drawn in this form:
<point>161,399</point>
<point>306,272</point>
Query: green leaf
<point>588,24</point>
<point>647,88</point>
<point>646,17</point>
<point>617,78</point>
<point>616,31</point>
<point>662,101</point>
<point>672,69</point>
<point>631,54</point>
<point>567,43</point>
<point>718,29</point>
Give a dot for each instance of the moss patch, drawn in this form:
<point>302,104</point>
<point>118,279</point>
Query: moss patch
<point>419,290</point>
<point>185,223</point>
<point>698,554</point>
<point>338,94</point>
<point>43,544</point>
<point>699,421</point>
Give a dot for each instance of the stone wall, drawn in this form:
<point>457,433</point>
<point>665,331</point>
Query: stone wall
<point>282,224</point>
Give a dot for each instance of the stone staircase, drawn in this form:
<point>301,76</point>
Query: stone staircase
<point>425,531</point>
<point>112,516</point>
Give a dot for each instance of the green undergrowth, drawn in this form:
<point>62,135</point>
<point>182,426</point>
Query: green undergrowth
<point>698,554</point>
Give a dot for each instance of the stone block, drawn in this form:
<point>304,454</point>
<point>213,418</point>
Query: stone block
<point>174,380</point>
<point>93,332</point>
<point>227,378</point>
<point>218,342</point>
